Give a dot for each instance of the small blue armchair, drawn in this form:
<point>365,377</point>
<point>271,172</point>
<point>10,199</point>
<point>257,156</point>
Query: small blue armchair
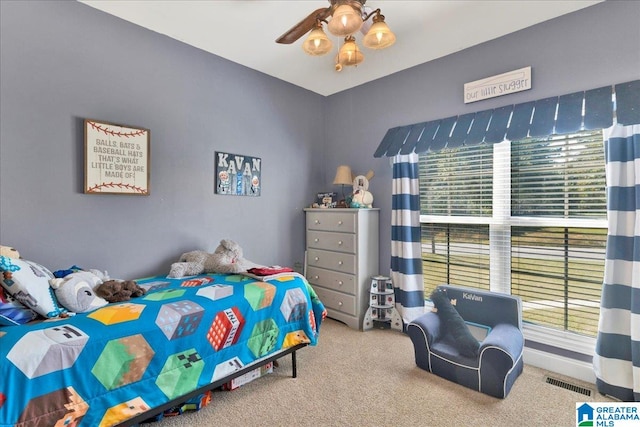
<point>499,360</point>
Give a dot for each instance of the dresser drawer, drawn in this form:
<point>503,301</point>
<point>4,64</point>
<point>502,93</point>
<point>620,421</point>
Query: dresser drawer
<point>337,301</point>
<point>329,221</point>
<point>331,241</point>
<point>332,279</point>
<point>338,261</point>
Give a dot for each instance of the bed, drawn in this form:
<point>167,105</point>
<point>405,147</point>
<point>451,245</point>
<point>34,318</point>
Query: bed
<point>128,361</point>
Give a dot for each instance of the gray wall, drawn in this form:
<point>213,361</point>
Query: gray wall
<point>591,48</point>
<point>63,61</point>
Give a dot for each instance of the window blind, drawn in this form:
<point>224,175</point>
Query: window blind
<point>457,182</point>
<point>456,191</point>
<point>455,253</point>
<point>525,217</point>
<point>559,176</point>
<point>558,271</point>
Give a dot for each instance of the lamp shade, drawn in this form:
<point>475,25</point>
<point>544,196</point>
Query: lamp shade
<point>317,43</point>
<point>343,176</point>
<point>379,35</point>
<point>349,53</point>
<point>346,20</point>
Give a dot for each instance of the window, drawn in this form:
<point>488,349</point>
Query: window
<point>524,217</point>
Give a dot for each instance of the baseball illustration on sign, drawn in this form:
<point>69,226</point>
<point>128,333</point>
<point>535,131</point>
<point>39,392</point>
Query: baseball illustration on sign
<point>116,159</point>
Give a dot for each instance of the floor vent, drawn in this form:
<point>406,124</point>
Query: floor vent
<point>568,386</point>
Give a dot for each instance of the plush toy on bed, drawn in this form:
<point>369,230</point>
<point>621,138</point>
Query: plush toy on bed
<point>76,291</point>
<point>454,324</point>
<point>9,252</point>
<point>119,290</point>
<point>227,258</point>
<point>12,312</point>
<point>28,283</point>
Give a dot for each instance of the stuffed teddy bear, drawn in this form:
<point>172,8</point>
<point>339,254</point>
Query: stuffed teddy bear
<point>119,290</point>
<point>75,291</point>
<point>227,258</point>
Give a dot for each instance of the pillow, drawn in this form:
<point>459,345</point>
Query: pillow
<point>28,283</point>
<point>12,312</point>
<point>454,324</point>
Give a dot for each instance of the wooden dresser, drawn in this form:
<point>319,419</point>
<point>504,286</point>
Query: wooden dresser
<point>342,256</point>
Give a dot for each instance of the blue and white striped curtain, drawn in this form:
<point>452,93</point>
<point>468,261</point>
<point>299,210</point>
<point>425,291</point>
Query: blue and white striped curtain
<point>406,256</point>
<point>617,359</point>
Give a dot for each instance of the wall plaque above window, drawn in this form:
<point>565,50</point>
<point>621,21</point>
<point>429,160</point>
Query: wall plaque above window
<point>502,84</point>
<point>116,159</point>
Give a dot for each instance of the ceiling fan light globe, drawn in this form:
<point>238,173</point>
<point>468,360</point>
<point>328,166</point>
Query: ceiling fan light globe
<point>379,36</point>
<point>317,43</point>
<point>345,20</point>
<point>349,54</point>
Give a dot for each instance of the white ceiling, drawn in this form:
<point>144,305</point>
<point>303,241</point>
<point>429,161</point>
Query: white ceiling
<point>245,32</point>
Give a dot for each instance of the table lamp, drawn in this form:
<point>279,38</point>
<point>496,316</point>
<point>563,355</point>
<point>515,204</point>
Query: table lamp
<point>343,177</point>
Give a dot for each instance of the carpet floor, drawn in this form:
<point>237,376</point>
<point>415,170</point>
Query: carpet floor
<point>354,378</point>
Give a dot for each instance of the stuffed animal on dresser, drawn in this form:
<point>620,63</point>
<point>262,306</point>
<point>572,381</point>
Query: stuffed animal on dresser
<point>361,197</point>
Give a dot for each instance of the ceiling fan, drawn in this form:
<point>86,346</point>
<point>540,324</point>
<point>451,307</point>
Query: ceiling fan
<point>345,18</point>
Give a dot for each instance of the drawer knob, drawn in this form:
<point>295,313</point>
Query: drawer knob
<point>339,262</point>
<point>316,258</point>
<point>339,222</point>
<point>316,277</point>
<point>316,240</point>
<point>340,282</point>
<point>340,303</point>
<point>317,221</point>
<point>340,243</point>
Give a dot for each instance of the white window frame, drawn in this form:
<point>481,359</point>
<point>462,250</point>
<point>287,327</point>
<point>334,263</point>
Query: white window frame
<point>500,224</point>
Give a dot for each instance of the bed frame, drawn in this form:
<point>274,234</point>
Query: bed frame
<point>218,383</point>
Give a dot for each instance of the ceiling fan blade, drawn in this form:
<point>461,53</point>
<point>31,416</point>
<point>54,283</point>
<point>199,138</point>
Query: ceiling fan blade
<point>304,26</point>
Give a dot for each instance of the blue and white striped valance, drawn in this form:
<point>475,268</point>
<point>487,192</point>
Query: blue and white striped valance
<point>591,109</point>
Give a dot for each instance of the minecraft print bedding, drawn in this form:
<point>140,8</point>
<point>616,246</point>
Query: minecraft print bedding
<point>107,366</point>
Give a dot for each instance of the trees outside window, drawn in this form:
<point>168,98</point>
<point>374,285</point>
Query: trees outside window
<point>523,217</point>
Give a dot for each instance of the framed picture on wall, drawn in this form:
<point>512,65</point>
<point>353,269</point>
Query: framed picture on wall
<point>116,159</point>
<point>237,174</point>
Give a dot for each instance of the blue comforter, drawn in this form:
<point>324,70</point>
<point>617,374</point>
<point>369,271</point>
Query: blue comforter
<point>106,366</point>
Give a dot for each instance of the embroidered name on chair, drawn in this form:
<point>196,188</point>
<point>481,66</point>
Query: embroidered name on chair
<point>472,297</point>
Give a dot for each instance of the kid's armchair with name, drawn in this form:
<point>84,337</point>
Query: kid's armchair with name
<point>495,361</point>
